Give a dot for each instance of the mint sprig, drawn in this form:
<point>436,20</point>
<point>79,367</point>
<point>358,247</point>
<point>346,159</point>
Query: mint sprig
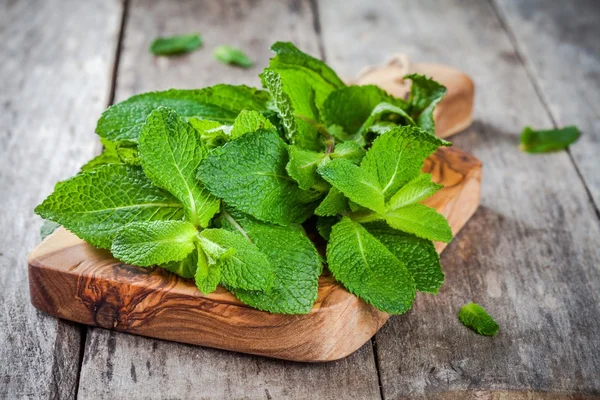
<point>225,185</point>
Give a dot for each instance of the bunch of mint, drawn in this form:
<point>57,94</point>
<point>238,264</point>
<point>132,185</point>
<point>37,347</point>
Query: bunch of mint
<point>226,184</point>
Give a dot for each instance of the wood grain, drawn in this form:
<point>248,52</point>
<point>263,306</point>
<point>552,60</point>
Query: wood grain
<point>72,280</point>
<point>529,255</point>
<point>54,79</point>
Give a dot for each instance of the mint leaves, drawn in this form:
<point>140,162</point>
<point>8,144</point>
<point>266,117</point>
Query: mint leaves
<point>545,141</point>
<point>475,317</point>
<point>220,103</point>
<point>249,175</point>
<point>229,55</point>
<point>170,152</point>
<point>177,44</point>
<point>225,185</point>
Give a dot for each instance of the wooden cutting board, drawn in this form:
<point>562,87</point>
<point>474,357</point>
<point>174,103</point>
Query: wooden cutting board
<point>70,279</point>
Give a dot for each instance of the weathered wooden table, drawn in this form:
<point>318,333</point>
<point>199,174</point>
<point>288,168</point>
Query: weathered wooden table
<point>530,255</point>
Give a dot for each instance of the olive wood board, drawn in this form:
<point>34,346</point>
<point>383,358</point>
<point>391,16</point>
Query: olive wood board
<point>70,279</point>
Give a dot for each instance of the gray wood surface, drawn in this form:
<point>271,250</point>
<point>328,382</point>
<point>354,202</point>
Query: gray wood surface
<point>145,368</point>
<point>54,82</point>
<point>559,42</point>
<point>530,254</point>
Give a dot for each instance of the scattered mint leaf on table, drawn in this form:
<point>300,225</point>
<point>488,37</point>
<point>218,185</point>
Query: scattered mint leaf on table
<point>230,55</point>
<point>545,141</point>
<point>96,204</point>
<point>213,184</point>
<point>475,317</point>
<point>156,242</point>
<point>221,103</point>
<point>171,151</point>
<point>177,44</point>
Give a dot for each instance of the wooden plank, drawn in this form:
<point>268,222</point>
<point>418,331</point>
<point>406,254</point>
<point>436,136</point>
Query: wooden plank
<point>529,255</point>
<point>559,43</point>
<point>55,77</point>
<point>70,279</point>
<point>116,363</point>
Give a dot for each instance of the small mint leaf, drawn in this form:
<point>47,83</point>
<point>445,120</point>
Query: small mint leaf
<point>230,55</point>
<point>545,141</point>
<point>177,44</point>
<point>414,191</point>
<point>475,317</point>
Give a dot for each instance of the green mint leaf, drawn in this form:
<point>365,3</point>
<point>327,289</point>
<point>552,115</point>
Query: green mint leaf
<point>152,243</point>
<point>221,103</point>
<point>47,228</point>
<point>229,55</point>
<point>425,94</point>
<point>545,141</point>
<point>249,174</point>
<point>359,186</point>
<point>351,151</point>
<point>414,191</point>
<point>244,268</point>
<point>171,151</point>
<point>475,317</point>
<point>249,121</point>
<point>333,204</point>
<point>294,257</point>
<point>351,106</point>
<point>177,44</point>
<point>95,204</point>
<point>420,220</point>
<point>289,56</point>
<point>212,133</point>
<point>419,255</point>
<point>368,269</point>
<point>294,101</point>
<point>108,156</point>
<point>303,166</point>
<point>384,117</point>
<point>185,268</point>
<point>127,151</point>
<point>324,225</point>
<point>208,275</point>
<point>397,157</point>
